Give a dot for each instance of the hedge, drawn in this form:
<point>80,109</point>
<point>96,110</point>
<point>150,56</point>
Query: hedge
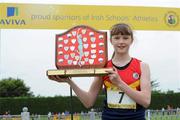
<point>42,105</point>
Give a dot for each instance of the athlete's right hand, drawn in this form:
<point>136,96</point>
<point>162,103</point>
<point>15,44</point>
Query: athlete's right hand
<point>59,78</point>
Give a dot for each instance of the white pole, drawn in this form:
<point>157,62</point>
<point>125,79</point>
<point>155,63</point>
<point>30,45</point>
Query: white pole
<point>149,114</point>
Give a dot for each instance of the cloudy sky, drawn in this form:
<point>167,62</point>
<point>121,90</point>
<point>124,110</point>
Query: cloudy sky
<point>27,54</point>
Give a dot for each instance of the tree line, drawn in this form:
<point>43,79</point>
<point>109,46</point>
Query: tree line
<point>14,95</point>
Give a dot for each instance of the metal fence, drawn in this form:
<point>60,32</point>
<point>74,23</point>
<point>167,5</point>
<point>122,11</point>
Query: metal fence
<point>77,116</point>
<point>173,114</point>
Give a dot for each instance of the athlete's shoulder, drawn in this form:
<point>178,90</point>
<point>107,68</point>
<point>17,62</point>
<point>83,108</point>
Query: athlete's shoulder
<point>144,65</point>
<point>136,62</point>
<point>136,59</point>
<point>109,63</point>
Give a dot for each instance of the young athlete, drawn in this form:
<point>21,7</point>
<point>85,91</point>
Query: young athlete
<point>128,89</point>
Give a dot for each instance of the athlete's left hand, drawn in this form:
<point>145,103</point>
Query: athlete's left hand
<point>114,76</point>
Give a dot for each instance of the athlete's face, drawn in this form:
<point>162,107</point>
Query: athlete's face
<point>121,43</point>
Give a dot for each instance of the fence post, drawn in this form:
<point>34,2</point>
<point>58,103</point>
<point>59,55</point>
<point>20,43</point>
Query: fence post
<point>71,104</point>
<point>149,114</point>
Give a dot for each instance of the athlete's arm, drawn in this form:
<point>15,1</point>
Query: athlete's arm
<point>145,85</point>
<point>87,98</point>
<point>142,97</point>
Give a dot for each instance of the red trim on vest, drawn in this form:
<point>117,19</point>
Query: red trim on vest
<point>130,74</point>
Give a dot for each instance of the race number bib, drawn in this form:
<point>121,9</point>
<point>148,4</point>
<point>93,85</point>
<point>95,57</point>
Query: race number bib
<point>118,99</point>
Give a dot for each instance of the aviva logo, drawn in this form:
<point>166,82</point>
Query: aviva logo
<point>12,11</point>
<point>10,20</point>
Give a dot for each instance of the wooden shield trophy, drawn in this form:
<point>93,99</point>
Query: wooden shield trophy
<point>80,51</point>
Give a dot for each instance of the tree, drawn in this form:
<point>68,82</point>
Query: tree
<point>170,92</point>
<point>154,84</point>
<point>10,87</point>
